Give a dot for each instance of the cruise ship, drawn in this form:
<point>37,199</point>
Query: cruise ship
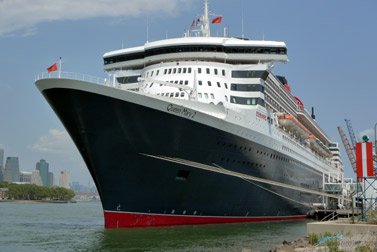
<point>195,130</point>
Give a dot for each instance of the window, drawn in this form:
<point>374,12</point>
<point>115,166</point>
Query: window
<point>186,82</point>
<point>212,96</point>
<point>128,79</point>
<point>167,94</point>
<point>184,70</point>
<point>200,83</point>
<point>179,70</point>
<point>176,82</point>
<point>174,70</point>
<point>189,70</point>
<point>226,98</point>
<point>226,85</point>
<point>165,71</point>
<point>151,85</point>
<point>247,87</point>
<point>218,84</point>
<point>223,72</point>
<point>182,94</point>
<point>207,70</point>
<point>176,94</point>
<point>200,95</point>
<point>181,82</point>
<point>169,71</point>
<point>199,70</point>
<point>151,73</point>
<point>209,83</point>
<point>250,74</point>
<point>171,94</point>
<point>157,73</point>
<point>206,95</point>
<point>247,100</point>
<point>215,70</point>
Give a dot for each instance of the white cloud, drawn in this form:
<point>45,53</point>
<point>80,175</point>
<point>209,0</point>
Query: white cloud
<point>23,15</point>
<point>368,132</point>
<point>55,142</point>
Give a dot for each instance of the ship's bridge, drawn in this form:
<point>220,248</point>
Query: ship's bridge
<point>213,49</point>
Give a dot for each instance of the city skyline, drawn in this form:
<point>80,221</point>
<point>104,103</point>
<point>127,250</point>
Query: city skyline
<point>329,64</point>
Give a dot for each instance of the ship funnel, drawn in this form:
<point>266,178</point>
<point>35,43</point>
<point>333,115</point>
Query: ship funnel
<point>313,115</point>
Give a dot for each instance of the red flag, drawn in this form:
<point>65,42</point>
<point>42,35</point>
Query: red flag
<point>364,160</point>
<point>217,20</point>
<point>52,68</point>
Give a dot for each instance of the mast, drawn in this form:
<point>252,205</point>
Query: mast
<point>205,26</point>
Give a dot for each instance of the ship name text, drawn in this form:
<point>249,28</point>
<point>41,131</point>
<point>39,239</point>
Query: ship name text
<point>181,111</point>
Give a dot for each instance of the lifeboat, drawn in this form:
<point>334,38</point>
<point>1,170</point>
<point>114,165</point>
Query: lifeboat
<point>317,146</point>
<point>293,125</point>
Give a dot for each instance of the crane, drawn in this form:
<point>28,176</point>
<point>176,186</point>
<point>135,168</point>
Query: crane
<point>351,133</point>
<point>350,152</point>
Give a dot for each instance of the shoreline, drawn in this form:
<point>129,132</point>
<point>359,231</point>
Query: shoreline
<point>36,201</point>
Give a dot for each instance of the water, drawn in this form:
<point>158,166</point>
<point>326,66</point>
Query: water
<point>79,227</point>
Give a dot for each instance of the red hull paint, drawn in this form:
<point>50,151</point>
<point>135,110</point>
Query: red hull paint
<point>124,219</point>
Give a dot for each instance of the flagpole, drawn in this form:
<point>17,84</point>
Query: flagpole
<point>60,66</point>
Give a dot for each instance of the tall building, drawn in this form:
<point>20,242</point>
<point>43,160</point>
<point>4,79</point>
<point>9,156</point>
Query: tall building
<point>25,177</point>
<point>36,178</point>
<point>2,173</point>
<point>1,157</point>
<point>42,167</point>
<point>64,179</point>
<point>12,170</point>
<point>50,179</point>
<point>1,164</point>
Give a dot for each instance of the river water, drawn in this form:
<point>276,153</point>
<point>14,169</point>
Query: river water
<point>79,227</point>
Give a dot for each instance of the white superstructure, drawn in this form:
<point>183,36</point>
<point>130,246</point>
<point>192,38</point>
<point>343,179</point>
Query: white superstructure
<point>233,74</point>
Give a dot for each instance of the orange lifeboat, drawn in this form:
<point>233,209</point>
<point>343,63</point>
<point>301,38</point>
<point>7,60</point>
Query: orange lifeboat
<point>293,125</point>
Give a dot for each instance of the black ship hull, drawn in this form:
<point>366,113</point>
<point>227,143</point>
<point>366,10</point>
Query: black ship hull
<point>155,168</point>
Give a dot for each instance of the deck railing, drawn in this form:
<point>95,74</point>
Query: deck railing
<point>71,76</point>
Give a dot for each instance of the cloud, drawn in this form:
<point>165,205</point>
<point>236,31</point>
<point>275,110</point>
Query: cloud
<point>22,15</point>
<point>55,142</point>
<point>367,132</point>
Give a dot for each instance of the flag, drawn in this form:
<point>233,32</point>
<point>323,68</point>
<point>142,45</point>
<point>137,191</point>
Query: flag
<point>364,160</point>
<point>192,24</point>
<point>52,68</point>
<point>197,21</point>
<point>217,20</point>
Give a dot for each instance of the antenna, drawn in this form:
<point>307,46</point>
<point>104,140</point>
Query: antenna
<point>205,27</point>
<point>147,29</point>
<point>243,36</point>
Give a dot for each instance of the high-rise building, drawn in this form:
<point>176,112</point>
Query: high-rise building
<point>1,157</point>
<point>36,178</point>
<point>1,164</point>
<point>42,167</point>
<point>2,173</point>
<point>25,177</point>
<point>12,170</point>
<point>50,179</point>
<point>64,179</point>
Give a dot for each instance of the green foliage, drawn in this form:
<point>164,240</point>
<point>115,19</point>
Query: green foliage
<point>363,248</point>
<point>333,245</point>
<point>34,192</point>
<point>313,239</point>
<point>3,184</point>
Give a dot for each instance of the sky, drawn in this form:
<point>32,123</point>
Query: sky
<point>331,50</point>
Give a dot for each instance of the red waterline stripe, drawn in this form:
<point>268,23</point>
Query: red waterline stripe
<point>126,219</point>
